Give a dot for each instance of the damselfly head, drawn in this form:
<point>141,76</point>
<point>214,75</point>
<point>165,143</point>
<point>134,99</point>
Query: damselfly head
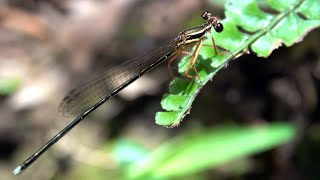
<point>206,15</point>
<point>218,27</point>
<point>214,21</point>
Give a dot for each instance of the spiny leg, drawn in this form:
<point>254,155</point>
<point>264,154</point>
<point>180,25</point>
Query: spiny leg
<point>173,58</point>
<point>215,47</point>
<point>193,60</point>
<point>214,44</point>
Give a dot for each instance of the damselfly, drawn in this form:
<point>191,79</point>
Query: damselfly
<point>83,100</point>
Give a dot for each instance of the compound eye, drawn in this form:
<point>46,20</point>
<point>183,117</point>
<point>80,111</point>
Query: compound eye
<point>205,15</point>
<point>218,27</point>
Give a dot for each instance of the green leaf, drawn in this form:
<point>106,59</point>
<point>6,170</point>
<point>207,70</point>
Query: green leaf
<point>177,99</point>
<point>165,118</point>
<point>195,152</point>
<point>310,9</point>
<point>246,13</point>
<point>246,26</point>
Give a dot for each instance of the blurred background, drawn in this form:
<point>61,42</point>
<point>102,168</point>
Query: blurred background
<point>47,47</point>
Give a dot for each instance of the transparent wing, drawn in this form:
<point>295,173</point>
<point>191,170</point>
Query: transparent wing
<point>88,94</point>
